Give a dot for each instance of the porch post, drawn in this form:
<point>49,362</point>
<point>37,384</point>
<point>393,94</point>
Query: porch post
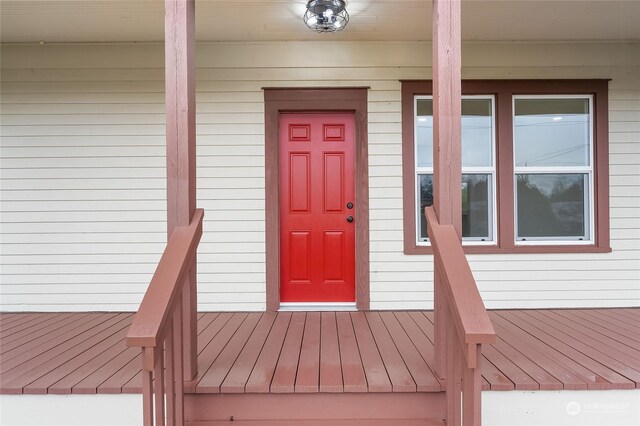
<point>447,150</point>
<point>180,103</point>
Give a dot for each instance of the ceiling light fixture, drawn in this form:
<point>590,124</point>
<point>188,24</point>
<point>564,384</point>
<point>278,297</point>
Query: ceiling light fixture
<point>326,16</point>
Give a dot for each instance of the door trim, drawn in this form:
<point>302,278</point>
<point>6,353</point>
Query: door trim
<point>322,100</point>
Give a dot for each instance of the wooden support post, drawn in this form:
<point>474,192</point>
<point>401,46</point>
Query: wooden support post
<point>180,99</point>
<point>447,151</point>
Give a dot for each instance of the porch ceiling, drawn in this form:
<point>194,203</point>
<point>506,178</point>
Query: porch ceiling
<point>267,20</point>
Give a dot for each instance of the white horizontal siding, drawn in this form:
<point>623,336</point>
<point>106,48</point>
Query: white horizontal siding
<point>83,172</point>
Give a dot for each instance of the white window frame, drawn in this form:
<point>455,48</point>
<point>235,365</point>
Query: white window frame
<point>491,171</point>
<point>589,208</point>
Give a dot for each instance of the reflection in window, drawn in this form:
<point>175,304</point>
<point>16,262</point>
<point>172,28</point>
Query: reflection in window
<point>476,206</point>
<point>551,206</point>
<point>551,132</point>
<point>478,169</point>
<point>553,167</point>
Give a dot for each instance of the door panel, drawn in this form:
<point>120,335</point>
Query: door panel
<point>317,243</point>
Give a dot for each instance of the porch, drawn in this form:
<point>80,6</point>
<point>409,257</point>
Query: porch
<point>366,365</point>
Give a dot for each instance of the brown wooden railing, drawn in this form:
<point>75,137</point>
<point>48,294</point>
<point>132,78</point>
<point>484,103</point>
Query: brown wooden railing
<point>467,324</point>
<point>157,328</point>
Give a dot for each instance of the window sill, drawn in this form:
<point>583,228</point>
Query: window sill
<point>516,249</point>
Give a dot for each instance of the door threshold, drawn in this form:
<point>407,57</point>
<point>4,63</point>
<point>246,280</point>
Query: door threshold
<point>317,306</point>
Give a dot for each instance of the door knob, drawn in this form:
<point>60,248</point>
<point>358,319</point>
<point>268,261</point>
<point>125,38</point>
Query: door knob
<point>349,218</point>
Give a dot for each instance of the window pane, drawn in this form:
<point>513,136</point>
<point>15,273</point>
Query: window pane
<point>552,205</point>
<point>477,133</point>
<point>551,132</point>
<point>426,199</point>
<point>424,133</point>
<point>476,206</point>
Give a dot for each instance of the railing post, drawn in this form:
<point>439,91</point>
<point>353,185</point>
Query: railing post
<point>180,104</point>
<point>447,157</point>
<point>454,362</point>
<point>471,392</point>
<point>147,387</point>
<point>158,328</point>
<point>158,386</point>
<point>178,364</point>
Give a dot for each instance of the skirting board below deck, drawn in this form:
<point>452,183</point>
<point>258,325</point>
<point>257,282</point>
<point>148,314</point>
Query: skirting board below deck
<point>500,408</point>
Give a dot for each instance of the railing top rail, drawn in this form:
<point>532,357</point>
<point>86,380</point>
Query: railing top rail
<point>150,321</point>
<point>471,317</point>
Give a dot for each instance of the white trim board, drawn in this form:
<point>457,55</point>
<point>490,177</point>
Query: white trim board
<point>500,408</point>
<point>561,408</point>
<point>71,410</point>
<point>317,306</point>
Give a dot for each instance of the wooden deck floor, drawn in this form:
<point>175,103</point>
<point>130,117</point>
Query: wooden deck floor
<point>287,352</point>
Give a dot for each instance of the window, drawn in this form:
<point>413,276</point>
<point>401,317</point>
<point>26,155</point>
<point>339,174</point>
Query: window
<point>478,167</point>
<point>552,140</point>
<point>534,165</point>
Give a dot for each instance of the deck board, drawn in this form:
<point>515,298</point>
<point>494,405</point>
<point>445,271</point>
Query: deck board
<point>596,375</point>
<point>330,365</point>
<point>238,375</point>
<point>389,351</point>
<point>307,377</point>
<point>265,366</point>
<point>284,377</point>
<point>352,370</point>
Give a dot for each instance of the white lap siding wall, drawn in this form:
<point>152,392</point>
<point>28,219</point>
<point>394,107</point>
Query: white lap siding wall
<point>83,172</point>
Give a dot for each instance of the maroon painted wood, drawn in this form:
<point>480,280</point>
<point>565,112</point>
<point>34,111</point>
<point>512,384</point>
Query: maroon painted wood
<point>352,369</point>
<point>17,372</point>
<point>213,378</point>
<point>459,289</point>
<point>25,352</point>
<point>601,327</point>
<point>239,374</point>
<point>156,310</point>
<point>586,333</point>
<point>374,368</point>
<point>533,350</point>
<point>117,381</point>
<point>260,378</point>
<point>330,365</point>
<point>600,377</point>
<point>42,384</point>
<point>170,294</point>
<point>210,353</point>
<point>620,323</point>
<point>605,323</point>
<point>341,422</point>
<point>420,372</point>
<point>20,323</point>
<point>420,338</point>
<point>396,368</point>
<point>596,350</point>
<point>447,140</point>
<point>329,408</point>
<point>519,379</point>
<point>37,332</point>
<point>285,374</point>
<point>25,323</point>
<point>307,378</point>
<point>180,107</point>
<point>554,361</point>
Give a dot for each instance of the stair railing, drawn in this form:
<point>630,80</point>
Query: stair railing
<point>467,324</point>
<point>157,328</point>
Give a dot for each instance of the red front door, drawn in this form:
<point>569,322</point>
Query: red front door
<point>317,207</point>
